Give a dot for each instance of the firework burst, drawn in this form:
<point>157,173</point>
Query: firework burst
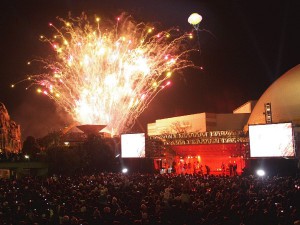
<point>104,74</point>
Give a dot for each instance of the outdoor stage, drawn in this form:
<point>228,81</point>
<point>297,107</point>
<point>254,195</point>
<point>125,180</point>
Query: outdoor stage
<point>194,158</point>
<point>219,150</point>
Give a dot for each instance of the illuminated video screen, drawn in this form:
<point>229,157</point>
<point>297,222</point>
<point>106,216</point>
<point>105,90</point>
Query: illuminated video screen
<point>271,140</point>
<point>133,145</point>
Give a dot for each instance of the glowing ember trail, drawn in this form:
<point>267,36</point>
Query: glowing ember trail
<point>109,75</point>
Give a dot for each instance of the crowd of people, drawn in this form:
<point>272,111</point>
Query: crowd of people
<point>115,198</point>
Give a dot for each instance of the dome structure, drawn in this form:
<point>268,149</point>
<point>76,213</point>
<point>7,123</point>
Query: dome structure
<point>284,96</point>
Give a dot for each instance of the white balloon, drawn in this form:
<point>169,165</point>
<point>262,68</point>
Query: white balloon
<point>194,19</point>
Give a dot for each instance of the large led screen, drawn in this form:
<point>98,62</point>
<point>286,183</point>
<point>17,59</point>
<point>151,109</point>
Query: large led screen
<point>133,145</point>
<point>271,140</point>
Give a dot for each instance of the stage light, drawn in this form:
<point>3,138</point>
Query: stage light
<point>260,172</point>
<point>124,170</point>
<point>26,156</point>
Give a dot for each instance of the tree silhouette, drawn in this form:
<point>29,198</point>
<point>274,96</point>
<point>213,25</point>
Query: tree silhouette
<point>99,156</point>
<point>31,147</point>
<point>52,139</point>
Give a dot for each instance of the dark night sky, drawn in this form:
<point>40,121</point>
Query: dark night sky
<point>253,43</point>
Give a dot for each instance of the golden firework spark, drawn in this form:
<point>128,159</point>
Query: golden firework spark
<point>105,74</point>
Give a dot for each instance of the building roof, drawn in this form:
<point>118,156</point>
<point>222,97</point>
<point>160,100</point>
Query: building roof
<point>284,96</point>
